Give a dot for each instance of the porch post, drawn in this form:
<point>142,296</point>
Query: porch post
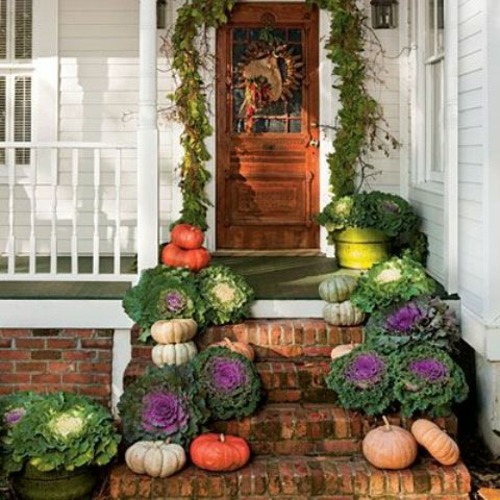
<point>147,140</point>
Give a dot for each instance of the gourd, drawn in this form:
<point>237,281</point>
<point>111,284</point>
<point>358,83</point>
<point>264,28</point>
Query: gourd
<point>343,314</point>
<point>435,441</point>
<point>390,447</point>
<point>194,260</point>
<point>337,288</point>
<point>342,350</point>
<point>155,458</point>
<point>187,236</point>
<point>173,331</point>
<point>236,346</point>
<point>219,452</point>
<point>173,354</point>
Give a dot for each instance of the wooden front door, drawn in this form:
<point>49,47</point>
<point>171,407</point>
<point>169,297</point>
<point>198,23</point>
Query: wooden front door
<point>267,135</point>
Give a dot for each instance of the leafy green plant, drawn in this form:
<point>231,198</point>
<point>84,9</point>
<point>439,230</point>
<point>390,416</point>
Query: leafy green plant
<point>57,431</point>
<point>226,294</point>
<point>164,403</point>
<point>232,384</point>
<point>394,280</point>
<point>427,380</point>
<point>164,293</point>
<point>362,380</point>
<point>425,319</point>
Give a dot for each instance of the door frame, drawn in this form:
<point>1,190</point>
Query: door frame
<point>328,103</point>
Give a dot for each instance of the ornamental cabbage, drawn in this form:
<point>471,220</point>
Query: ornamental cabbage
<point>362,380</point>
<point>427,380</point>
<point>163,403</point>
<point>231,382</point>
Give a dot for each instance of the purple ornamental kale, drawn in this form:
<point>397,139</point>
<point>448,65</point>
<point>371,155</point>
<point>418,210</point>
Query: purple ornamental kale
<point>404,319</point>
<point>14,416</point>
<point>430,369</point>
<point>163,412</point>
<point>228,374</point>
<point>365,369</point>
<point>175,301</point>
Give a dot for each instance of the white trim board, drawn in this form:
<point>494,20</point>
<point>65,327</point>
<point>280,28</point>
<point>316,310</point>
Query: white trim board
<point>483,337</point>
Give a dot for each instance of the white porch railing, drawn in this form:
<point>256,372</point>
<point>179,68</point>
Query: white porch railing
<point>71,200</point>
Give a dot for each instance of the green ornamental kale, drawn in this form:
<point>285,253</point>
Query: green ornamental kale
<point>420,320</point>
<point>164,403</point>
<point>231,382</point>
<point>362,380</point>
<point>164,293</point>
<point>227,295</point>
<point>59,431</point>
<point>394,280</point>
<point>426,380</point>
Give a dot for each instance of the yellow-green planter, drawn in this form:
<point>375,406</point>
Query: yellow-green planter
<point>360,248</point>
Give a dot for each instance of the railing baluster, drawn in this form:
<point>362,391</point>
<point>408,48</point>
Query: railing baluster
<point>53,211</point>
<point>11,240</point>
<point>97,182</point>
<point>74,215</point>
<point>118,222</point>
<point>32,179</point>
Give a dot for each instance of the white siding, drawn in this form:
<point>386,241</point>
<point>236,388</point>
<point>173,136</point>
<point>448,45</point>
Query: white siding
<point>471,158</point>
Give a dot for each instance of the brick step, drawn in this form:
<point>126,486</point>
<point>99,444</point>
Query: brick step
<point>288,380</point>
<point>310,429</point>
<point>299,477</point>
<point>282,338</point>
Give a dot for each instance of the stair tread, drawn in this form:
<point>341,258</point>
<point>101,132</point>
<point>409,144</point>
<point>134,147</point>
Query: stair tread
<point>300,477</point>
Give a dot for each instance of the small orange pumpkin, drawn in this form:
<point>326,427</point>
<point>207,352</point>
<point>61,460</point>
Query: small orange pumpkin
<point>236,346</point>
<point>390,447</point>
<point>219,452</point>
<point>435,441</point>
<point>194,260</point>
<point>187,236</point>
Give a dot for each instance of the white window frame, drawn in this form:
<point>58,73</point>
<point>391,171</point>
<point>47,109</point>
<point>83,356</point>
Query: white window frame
<point>43,68</point>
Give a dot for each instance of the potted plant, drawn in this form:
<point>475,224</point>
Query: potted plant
<point>368,227</point>
<point>52,444</point>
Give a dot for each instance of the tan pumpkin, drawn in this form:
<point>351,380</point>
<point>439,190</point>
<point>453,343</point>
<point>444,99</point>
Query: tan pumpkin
<point>390,447</point>
<point>343,314</point>
<point>342,350</point>
<point>155,458</point>
<point>337,288</point>
<point>435,441</point>
<point>173,331</point>
<point>173,354</point>
<point>240,347</point>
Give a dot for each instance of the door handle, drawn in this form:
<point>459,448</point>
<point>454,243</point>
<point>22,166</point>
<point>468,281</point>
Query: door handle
<point>314,143</point>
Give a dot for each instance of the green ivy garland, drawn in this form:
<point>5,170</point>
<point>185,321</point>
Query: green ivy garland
<point>357,130</point>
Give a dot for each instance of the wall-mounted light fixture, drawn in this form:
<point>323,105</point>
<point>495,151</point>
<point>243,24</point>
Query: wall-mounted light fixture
<point>161,19</point>
<point>384,14</point>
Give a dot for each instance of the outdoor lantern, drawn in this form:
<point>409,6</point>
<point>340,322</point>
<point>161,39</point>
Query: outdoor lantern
<point>161,6</point>
<point>384,14</point>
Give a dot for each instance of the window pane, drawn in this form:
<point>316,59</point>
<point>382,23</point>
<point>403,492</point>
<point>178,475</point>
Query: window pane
<point>3,29</point>
<point>430,22</point>
<point>23,29</point>
<point>22,118</point>
<point>436,118</point>
<point>3,106</point>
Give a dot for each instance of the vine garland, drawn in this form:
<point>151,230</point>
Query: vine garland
<point>357,127</point>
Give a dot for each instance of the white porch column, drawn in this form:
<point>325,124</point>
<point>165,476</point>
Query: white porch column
<point>147,140</point>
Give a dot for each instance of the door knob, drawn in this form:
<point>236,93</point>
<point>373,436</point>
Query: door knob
<point>314,143</point>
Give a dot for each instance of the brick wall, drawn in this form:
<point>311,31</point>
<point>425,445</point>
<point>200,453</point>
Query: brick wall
<point>78,361</point>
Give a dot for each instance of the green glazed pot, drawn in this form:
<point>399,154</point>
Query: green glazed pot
<point>360,248</point>
<point>32,484</point>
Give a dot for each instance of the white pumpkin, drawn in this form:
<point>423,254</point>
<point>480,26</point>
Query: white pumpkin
<point>155,458</point>
<point>337,288</point>
<point>342,350</point>
<point>343,314</point>
<point>173,331</point>
<point>173,354</point>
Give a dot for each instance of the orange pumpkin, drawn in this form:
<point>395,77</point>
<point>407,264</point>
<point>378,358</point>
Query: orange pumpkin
<point>435,441</point>
<point>236,346</point>
<point>219,452</point>
<point>187,236</point>
<point>390,447</point>
<point>194,260</point>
